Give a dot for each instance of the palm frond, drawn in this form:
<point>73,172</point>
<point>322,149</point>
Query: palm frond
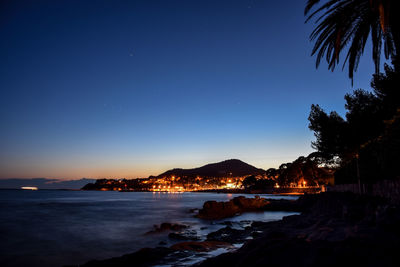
<point>346,25</point>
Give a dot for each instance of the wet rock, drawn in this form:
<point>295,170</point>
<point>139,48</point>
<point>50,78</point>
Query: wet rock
<point>218,210</point>
<point>228,234</point>
<point>167,227</point>
<point>245,223</point>
<point>246,204</point>
<point>200,246</point>
<point>213,210</point>
<point>185,235</point>
<point>228,223</point>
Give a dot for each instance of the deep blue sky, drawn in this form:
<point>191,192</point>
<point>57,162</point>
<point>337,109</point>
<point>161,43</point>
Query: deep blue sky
<point>132,88</point>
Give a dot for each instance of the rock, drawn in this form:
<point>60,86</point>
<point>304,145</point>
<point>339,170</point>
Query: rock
<point>200,246</point>
<point>167,227</point>
<point>245,223</point>
<point>218,210</point>
<point>256,234</point>
<point>228,234</point>
<point>246,204</point>
<point>213,210</point>
<point>185,235</point>
<point>334,230</point>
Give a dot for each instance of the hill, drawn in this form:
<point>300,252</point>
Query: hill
<point>232,167</point>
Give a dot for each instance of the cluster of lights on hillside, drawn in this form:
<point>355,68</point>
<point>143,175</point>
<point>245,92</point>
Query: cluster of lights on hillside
<point>175,184</point>
<point>183,184</point>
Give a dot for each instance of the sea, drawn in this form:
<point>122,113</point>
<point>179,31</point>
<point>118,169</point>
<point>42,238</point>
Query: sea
<point>60,227</point>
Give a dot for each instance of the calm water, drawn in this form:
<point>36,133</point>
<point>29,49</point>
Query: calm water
<point>55,228</point>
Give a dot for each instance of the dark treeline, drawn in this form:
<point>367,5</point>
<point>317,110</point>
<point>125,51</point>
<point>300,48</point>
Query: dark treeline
<point>304,171</point>
<point>365,145</point>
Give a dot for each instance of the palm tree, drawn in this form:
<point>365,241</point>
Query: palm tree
<point>347,25</point>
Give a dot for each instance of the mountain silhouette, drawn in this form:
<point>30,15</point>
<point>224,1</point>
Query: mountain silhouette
<point>227,168</point>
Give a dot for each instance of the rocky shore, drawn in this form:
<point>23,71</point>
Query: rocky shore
<point>213,210</point>
<point>333,229</point>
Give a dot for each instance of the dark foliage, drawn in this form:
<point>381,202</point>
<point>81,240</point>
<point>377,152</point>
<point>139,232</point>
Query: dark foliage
<point>330,131</point>
<point>348,24</point>
<point>379,159</point>
<point>252,183</point>
<point>368,140</point>
<point>249,181</point>
<point>304,169</point>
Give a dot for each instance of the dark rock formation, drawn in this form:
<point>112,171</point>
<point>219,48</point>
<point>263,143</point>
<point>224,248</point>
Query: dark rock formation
<point>213,210</point>
<point>334,230</point>
<point>167,227</point>
<point>228,234</point>
<point>218,210</point>
<point>184,235</point>
<point>250,203</point>
<point>200,246</point>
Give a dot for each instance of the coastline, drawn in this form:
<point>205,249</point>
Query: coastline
<point>334,229</point>
<point>273,191</point>
<point>330,228</point>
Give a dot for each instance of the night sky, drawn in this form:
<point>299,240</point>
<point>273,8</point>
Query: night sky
<point>133,88</point>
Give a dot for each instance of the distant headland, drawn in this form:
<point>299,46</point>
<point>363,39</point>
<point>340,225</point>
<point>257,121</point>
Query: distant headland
<point>231,175</point>
<point>44,183</point>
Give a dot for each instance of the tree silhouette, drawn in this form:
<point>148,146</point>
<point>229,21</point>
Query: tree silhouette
<point>303,169</point>
<point>331,132</point>
<point>367,141</point>
<point>347,24</point>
